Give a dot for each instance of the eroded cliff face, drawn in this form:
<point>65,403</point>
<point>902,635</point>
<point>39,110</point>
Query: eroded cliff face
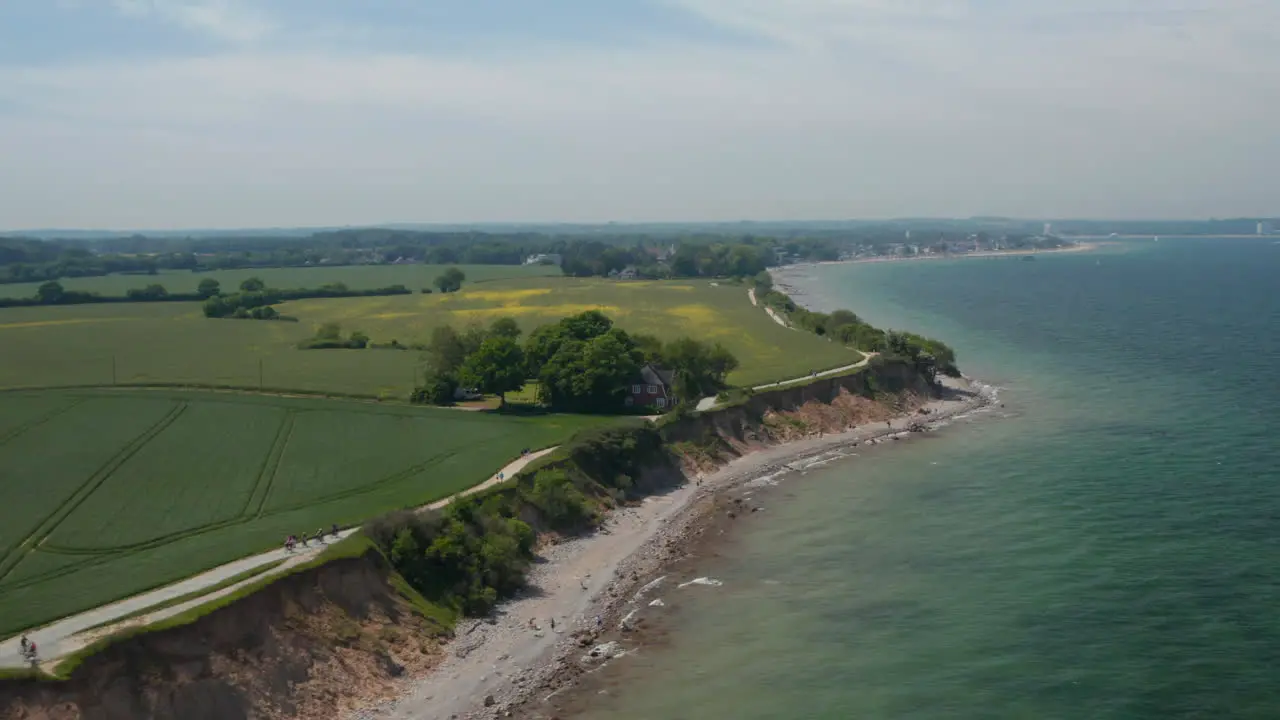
<point>320,643</point>
<point>306,646</point>
<point>828,405</point>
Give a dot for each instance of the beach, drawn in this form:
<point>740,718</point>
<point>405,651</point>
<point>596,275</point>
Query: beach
<point>518,664</point>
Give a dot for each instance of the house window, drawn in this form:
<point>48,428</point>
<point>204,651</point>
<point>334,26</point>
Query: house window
<point>662,402</point>
<point>635,389</point>
<point>653,389</point>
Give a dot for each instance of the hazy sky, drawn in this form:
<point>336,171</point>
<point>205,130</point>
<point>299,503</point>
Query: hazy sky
<point>234,113</point>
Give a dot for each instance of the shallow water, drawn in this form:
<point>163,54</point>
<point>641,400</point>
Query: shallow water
<point>1104,546</point>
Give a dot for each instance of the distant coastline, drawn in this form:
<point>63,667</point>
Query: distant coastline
<point>1079,247</point>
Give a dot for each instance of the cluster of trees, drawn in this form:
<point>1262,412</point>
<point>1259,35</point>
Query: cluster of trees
<point>329,337</point>
<point>581,363</point>
<point>466,557</point>
<point>255,294</point>
<point>705,254</point>
<point>477,551</point>
<point>721,260</point>
<point>450,280</point>
<point>929,356</point>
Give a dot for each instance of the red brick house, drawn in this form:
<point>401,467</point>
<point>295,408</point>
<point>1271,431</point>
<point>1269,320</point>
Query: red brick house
<point>653,388</point>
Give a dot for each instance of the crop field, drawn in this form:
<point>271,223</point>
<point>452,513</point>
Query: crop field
<point>138,343</point>
<point>357,277</point>
<point>107,493</point>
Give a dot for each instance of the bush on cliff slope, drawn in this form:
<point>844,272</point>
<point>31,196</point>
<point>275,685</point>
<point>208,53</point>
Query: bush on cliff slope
<point>476,551</point>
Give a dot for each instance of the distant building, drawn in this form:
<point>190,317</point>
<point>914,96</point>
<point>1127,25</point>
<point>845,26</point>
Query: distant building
<point>653,388</point>
<point>544,259</point>
<point>1265,228</point>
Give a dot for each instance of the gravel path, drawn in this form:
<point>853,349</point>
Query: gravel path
<point>69,634</point>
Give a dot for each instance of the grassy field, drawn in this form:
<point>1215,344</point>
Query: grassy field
<point>358,277</point>
<point>107,493</point>
<point>174,343</point>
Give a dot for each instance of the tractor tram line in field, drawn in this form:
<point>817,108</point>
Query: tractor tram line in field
<point>60,513</point>
<point>14,432</point>
<point>257,500</point>
<point>115,492</point>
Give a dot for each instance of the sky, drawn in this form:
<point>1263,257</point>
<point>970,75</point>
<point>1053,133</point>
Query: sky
<point>164,114</point>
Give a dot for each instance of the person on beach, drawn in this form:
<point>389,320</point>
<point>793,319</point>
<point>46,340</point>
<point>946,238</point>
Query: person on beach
<point>553,624</point>
<point>25,644</point>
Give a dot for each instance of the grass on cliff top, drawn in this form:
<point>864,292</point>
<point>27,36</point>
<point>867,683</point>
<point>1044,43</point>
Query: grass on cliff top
<point>173,343</point>
<point>356,545</point>
<point>108,494</point>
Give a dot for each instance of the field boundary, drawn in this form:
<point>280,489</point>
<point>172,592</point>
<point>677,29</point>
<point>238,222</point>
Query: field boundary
<point>51,521</point>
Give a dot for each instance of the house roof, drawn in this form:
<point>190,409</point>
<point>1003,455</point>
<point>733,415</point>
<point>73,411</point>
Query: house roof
<point>653,375</point>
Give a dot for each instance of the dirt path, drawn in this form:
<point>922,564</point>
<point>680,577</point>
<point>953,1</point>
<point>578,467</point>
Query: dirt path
<point>73,633</point>
<point>709,403</point>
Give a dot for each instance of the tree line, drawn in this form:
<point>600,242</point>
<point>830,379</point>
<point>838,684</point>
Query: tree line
<point>929,356</point>
<point>53,293</point>
<point>254,294</point>
<point>583,363</point>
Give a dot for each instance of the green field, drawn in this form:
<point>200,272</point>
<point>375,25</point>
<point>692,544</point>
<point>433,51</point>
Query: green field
<point>174,343</point>
<point>357,277</point>
<point>107,493</point>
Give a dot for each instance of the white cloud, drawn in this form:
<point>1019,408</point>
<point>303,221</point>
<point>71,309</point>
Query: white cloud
<point>229,20</point>
<point>865,109</point>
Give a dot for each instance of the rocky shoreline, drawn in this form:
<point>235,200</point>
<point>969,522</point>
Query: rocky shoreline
<point>606,629</point>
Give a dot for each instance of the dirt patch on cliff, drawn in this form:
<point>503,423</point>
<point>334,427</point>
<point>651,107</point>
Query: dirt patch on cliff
<point>308,646</point>
<point>847,410</point>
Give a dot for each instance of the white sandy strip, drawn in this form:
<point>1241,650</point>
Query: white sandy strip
<point>777,318</point>
<point>69,634</point>
<point>751,294</point>
<point>490,659</point>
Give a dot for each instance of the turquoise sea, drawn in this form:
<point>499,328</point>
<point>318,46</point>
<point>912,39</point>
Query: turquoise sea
<point>1107,545</point>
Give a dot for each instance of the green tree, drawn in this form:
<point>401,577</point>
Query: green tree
<point>505,327</point>
<point>700,369</point>
<point>650,347</point>
<point>358,340</point>
<point>587,325</point>
<point>253,284</point>
<point>437,389</point>
<point>451,280</point>
<point>763,282</point>
<point>496,368</point>
<point>50,293</point>
<point>209,287</point>
<point>590,375</point>
<point>329,331</point>
<point>446,351</point>
<point>150,292</point>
